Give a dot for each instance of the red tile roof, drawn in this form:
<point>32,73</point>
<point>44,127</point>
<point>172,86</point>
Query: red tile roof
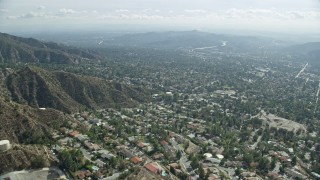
<point>136,160</point>
<point>141,144</point>
<point>87,173</point>
<point>164,143</point>
<point>153,167</point>
<point>81,175</point>
<point>74,133</point>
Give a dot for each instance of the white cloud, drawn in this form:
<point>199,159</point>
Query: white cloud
<point>195,11</point>
<point>4,10</point>
<point>122,11</point>
<point>29,15</point>
<point>65,11</point>
<point>246,17</point>
<point>257,14</point>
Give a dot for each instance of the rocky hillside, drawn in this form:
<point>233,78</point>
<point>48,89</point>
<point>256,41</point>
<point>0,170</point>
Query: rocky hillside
<point>68,92</point>
<point>20,157</point>
<point>21,123</point>
<point>26,90</point>
<point>26,50</point>
<point>24,124</point>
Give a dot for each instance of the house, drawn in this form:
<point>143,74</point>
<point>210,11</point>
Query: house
<point>273,175</point>
<point>153,167</point>
<point>95,121</point>
<point>57,148</point>
<point>192,135</point>
<point>125,153</point>
<point>286,160</point>
<point>219,156</point>
<point>107,156</point>
<point>295,174</point>
<point>248,174</point>
<point>158,156</point>
<point>290,150</point>
<point>99,174</point>
<point>141,145</point>
<point>95,147</point>
<point>63,130</point>
<point>213,177</point>
<point>82,137</point>
<point>174,165</point>
<point>213,160</point>
<point>80,175</point>
<point>91,146</point>
<point>136,160</point>
<point>74,134</point>
<point>148,148</point>
<point>87,173</point>
<point>64,141</point>
<point>100,163</point>
<point>131,139</point>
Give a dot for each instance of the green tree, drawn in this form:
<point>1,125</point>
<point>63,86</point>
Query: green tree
<point>178,154</point>
<point>264,164</point>
<point>194,162</point>
<point>238,171</point>
<point>273,163</point>
<point>294,161</point>
<point>38,162</point>
<point>172,170</point>
<point>202,175</point>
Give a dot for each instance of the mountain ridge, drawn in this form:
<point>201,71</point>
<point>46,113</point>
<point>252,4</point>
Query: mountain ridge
<point>68,92</point>
<point>15,49</point>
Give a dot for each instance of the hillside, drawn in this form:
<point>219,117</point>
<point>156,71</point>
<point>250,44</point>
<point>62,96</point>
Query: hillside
<point>68,92</point>
<point>25,156</point>
<point>26,89</point>
<point>35,103</point>
<point>27,50</point>
<point>24,124</point>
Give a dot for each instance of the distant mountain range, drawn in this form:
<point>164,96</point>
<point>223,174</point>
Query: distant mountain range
<point>195,39</point>
<point>26,50</point>
<point>190,40</point>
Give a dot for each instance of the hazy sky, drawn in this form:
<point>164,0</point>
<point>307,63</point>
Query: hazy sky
<point>293,16</point>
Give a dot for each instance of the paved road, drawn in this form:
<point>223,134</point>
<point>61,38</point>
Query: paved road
<point>185,163</point>
<point>113,177</point>
<point>277,168</point>
<point>176,145</point>
<point>86,154</point>
<point>304,67</point>
<point>256,143</point>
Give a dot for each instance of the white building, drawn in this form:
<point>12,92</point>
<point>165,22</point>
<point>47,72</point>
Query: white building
<point>4,145</point>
